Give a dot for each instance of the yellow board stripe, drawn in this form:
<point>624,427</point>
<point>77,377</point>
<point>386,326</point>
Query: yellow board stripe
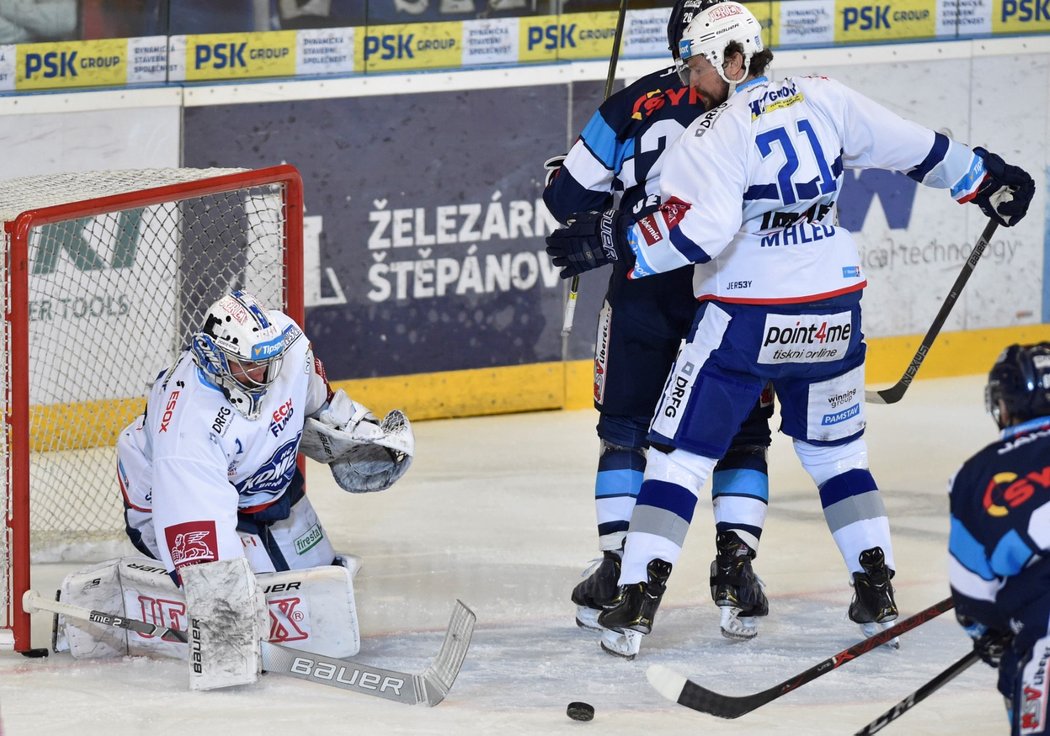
<point>535,387</point>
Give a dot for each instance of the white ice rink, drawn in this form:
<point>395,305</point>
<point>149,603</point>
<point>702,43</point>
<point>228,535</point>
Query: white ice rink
<point>499,513</point>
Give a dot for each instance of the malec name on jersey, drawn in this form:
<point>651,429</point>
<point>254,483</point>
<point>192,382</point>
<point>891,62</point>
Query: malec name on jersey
<point>808,338</point>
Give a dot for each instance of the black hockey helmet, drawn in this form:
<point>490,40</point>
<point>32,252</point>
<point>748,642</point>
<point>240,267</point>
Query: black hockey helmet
<point>1020,379</point>
<point>682,14</point>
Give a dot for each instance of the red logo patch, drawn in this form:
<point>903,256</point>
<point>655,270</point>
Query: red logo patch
<point>192,543</point>
<point>673,211</point>
<point>650,230</point>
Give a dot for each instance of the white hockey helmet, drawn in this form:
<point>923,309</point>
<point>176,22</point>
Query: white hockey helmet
<point>714,28</point>
<point>240,350</point>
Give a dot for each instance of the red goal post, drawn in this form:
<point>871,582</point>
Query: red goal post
<point>106,274</point>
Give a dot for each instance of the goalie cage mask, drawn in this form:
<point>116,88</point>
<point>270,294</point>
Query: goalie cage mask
<point>240,350</point>
<point>712,30</point>
<point>1020,378</point>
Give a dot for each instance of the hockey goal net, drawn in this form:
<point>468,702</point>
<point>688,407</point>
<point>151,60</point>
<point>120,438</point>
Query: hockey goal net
<point>105,276</point>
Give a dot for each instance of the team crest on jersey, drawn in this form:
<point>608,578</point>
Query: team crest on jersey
<point>192,542</point>
<point>274,475</point>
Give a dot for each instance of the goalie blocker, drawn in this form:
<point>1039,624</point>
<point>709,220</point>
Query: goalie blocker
<point>364,453</point>
<point>227,610</point>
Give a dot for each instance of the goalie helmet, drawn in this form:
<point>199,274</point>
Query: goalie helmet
<point>240,350</point>
<point>1020,379</point>
<point>713,29</point>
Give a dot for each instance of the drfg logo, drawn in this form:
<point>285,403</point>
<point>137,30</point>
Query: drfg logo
<point>805,338</point>
<point>677,389</point>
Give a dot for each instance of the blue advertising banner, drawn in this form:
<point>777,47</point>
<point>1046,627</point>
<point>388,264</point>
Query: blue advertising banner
<point>424,222</point>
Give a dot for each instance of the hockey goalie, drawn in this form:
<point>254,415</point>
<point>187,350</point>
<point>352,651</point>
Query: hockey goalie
<point>215,501</point>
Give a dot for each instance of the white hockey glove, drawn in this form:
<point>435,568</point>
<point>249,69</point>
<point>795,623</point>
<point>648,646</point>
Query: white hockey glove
<point>365,454</point>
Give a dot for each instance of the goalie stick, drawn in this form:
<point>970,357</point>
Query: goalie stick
<point>918,696</point>
<point>895,393</point>
<point>684,691</point>
<point>430,687</point>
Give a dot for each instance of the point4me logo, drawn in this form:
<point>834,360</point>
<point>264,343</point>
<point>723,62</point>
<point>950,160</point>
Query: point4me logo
<point>805,338</point>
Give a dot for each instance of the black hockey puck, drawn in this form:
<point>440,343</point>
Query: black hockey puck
<point>578,711</point>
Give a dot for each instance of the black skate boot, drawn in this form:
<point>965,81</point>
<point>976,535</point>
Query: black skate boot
<point>635,605</point>
<point>597,591</point>
<point>735,588</point>
<point>873,601</point>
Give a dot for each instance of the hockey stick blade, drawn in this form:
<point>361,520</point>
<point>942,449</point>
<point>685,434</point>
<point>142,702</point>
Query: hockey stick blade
<point>682,690</point>
<point>895,393</point>
<point>919,695</point>
<point>430,687</point>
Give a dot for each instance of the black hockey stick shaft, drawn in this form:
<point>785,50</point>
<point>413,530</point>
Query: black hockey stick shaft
<point>919,695</point>
<point>895,393</point>
<point>697,697</point>
<point>610,78</point>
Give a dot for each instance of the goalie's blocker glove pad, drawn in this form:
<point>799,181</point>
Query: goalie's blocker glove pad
<point>1006,191</point>
<point>588,241</point>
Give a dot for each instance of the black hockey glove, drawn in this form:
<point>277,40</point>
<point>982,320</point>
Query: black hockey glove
<point>589,240</point>
<point>553,167</point>
<point>1006,191</point>
<point>989,644</point>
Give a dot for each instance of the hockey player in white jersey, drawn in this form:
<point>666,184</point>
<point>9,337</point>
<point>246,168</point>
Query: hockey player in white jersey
<point>750,190</point>
<point>213,493</point>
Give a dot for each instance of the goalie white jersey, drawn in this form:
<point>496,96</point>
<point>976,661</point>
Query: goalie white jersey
<point>751,186</point>
<point>191,463</point>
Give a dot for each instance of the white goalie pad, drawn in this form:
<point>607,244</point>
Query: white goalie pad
<point>312,609</point>
<point>227,618</point>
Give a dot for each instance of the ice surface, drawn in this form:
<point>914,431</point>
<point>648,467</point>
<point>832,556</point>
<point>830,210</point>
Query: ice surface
<point>498,512</point>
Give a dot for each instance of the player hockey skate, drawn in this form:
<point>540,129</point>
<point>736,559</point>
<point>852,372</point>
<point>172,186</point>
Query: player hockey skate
<point>735,588</point>
<point>631,612</point>
<point>597,591</point>
<point>873,605</point>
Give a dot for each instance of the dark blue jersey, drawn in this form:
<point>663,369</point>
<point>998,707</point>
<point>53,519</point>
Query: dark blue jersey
<point>620,148</point>
<point>1000,527</point>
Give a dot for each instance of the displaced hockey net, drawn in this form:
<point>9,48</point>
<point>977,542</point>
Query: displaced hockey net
<point>105,276</point>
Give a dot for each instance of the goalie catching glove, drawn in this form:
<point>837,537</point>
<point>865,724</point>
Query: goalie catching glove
<point>364,453</point>
<point>588,241</point>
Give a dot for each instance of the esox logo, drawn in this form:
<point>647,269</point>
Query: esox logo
<point>1007,490</point>
<point>169,410</point>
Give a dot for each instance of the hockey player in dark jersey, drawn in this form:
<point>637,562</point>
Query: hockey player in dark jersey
<point>640,329</point>
<point>999,544</point>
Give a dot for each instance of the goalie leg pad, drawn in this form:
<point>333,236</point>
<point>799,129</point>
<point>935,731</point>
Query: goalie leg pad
<point>227,618</point>
<point>98,588</point>
<point>313,610</point>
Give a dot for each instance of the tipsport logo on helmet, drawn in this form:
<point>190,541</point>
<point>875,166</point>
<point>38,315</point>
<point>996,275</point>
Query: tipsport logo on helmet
<point>806,338</point>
